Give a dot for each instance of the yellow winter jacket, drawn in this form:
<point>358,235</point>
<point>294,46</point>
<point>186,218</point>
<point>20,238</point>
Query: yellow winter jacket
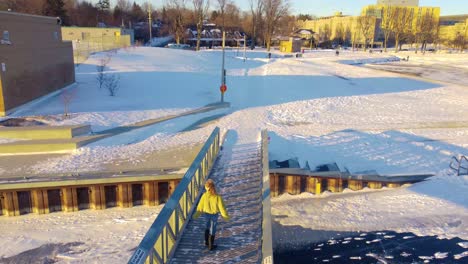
<point>211,204</point>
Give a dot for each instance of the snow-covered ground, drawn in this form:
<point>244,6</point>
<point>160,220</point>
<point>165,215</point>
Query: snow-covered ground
<point>319,108</point>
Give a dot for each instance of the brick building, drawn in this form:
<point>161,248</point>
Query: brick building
<point>34,61</point>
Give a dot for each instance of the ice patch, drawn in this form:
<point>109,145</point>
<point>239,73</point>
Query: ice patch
<point>426,257</point>
<point>461,255</point>
<point>407,237</point>
<point>440,255</point>
<point>355,258</point>
<point>405,255</point>
<point>373,241</point>
<point>463,244</point>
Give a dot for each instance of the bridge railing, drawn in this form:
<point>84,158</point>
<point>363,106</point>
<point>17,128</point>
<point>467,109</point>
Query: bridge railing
<point>160,241</point>
<point>267,240</point>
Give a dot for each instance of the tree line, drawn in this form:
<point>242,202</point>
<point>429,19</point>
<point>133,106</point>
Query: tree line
<point>263,19</point>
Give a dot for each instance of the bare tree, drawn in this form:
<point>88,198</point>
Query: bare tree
<point>112,83</point>
<point>273,10</point>
<point>340,34</point>
<point>324,36</point>
<point>200,10</point>
<point>427,28</point>
<point>256,9</point>
<point>101,78</point>
<point>222,8</point>
<point>67,95</point>
<point>178,21</point>
<point>366,25</point>
<point>389,16</point>
<point>402,24</point>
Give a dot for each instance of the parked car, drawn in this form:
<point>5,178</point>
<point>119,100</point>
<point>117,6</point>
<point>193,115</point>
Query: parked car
<point>178,46</point>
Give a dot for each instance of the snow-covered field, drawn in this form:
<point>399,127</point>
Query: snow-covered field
<point>319,108</point>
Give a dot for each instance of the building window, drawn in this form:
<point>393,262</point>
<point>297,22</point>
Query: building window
<point>5,38</point>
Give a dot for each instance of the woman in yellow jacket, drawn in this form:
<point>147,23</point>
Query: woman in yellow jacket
<point>211,204</point>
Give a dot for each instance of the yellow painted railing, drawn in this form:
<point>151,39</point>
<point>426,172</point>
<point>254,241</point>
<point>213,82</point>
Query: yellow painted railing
<point>160,241</point>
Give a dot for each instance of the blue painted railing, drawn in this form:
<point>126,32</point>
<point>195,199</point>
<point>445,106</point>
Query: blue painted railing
<point>160,241</point>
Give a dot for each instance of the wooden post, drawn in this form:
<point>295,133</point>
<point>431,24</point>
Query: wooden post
<point>1,204</point>
<point>393,185</point>
<point>375,185</point>
<point>149,198</point>
<point>98,198</point>
<point>69,199</point>
<point>172,187</point>
<point>39,201</point>
<point>335,185</point>
<point>124,195</point>
<point>274,188</point>
<point>11,203</point>
<point>355,185</point>
<point>293,184</point>
<point>310,187</point>
<point>156,193</point>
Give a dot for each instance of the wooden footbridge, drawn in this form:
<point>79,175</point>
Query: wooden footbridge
<point>241,174</point>
<point>244,179</point>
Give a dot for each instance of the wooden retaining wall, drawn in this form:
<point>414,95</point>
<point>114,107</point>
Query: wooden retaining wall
<point>44,200</point>
<point>296,184</point>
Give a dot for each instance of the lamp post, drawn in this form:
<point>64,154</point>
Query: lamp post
<point>223,86</point>
<point>150,26</point>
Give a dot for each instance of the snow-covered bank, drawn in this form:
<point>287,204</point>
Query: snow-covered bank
<point>106,236</point>
<point>315,108</point>
<point>435,207</point>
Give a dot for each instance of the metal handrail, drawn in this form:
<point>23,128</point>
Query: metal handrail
<point>267,240</point>
<point>459,164</point>
<point>160,241</point>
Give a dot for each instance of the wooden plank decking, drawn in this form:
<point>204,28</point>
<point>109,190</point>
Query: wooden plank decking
<point>238,176</point>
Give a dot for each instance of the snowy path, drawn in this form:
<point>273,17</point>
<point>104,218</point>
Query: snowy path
<point>237,174</point>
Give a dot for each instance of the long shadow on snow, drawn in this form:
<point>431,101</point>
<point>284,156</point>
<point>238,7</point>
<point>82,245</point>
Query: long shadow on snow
<point>198,89</point>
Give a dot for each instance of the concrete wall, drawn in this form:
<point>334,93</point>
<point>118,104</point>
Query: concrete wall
<point>87,40</point>
<point>34,62</point>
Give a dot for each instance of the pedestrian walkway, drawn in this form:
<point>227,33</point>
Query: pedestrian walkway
<point>238,177</point>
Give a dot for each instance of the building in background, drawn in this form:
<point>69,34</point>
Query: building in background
<point>453,31</point>
<point>34,61</point>
<point>340,30</point>
<point>87,40</point>
<point>398,2</point>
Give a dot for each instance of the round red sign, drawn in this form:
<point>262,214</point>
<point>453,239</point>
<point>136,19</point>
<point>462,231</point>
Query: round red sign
<point>223,88</point>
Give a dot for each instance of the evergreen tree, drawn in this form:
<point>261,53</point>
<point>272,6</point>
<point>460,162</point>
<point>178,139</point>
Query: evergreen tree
<point>103,5</point>
<point>55,8</point>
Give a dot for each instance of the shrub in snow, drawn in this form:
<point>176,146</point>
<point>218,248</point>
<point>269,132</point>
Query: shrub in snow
<point>111,82</point>
<point>100,69</point>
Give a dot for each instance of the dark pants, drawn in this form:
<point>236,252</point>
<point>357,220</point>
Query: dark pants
<point>211,223</point>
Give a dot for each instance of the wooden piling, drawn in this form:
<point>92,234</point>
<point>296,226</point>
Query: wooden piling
<point>355,185</point>
<point>98,198</point>
<point>375,185</point>
<point>39,202</point>
<point>124,195</point>
<point>274,185</point>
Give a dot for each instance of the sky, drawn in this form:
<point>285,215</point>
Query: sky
<point>348,7</point>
